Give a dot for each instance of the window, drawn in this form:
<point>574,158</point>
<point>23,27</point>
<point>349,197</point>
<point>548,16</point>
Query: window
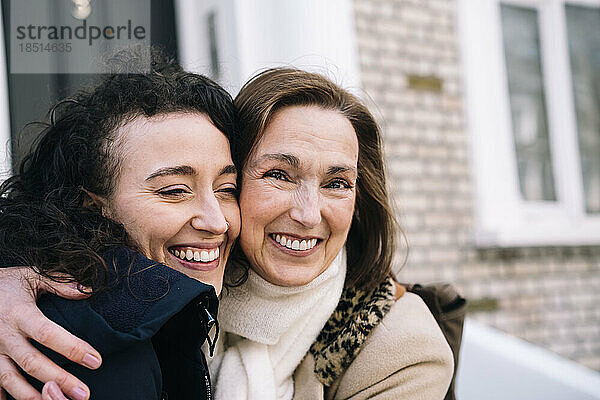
<point>520,33</point>
<point>583,33</point>
<point>27,97</point>
<point>532,78</point>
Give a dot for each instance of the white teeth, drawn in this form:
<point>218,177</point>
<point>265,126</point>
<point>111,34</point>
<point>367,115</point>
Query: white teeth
<point>204,256</point>
<point>305,244</point>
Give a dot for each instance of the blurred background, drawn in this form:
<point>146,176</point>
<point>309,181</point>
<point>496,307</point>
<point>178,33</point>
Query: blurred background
<point>491,115</point>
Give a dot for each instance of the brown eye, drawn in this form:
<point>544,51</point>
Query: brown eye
<point>338,184</point>
<point>229,190</point>
<point>276,174</point>
<point>173,192</point>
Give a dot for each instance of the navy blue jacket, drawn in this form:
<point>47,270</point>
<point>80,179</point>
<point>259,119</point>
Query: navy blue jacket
<point>148,327</point>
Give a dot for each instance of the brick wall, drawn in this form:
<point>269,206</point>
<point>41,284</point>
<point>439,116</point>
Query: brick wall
<point>410,72</point>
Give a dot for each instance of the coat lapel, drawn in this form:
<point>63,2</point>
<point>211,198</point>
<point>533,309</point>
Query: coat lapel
<point>339,342</point>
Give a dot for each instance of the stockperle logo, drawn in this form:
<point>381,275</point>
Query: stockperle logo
<point>75,36</point>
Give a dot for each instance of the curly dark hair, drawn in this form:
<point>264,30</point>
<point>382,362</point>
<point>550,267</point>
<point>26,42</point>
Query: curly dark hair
<point>45,215</point>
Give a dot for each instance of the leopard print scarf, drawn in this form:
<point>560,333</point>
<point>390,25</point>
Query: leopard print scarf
<point>357,314</point>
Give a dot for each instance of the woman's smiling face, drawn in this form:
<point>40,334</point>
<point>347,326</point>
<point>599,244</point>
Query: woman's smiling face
<point>298,194</point>
<point>176,193</point>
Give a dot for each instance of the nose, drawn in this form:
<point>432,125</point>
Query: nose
<point>208,215</point>
<point>306,208</point>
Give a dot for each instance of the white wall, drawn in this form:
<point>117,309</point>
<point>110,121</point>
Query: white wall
<point>256,34</point>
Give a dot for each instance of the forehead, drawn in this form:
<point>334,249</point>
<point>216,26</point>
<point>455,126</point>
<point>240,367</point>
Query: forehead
<point>312,133</point>
<point>176,138</point>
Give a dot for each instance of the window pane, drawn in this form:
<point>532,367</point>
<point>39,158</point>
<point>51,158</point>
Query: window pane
<point>30,95</point>
<point>527,102</point>
<point>583,28</point>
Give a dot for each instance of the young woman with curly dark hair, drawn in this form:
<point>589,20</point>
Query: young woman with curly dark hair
<point>130,191</point>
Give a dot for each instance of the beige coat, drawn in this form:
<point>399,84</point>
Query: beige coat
<point>405,357</point>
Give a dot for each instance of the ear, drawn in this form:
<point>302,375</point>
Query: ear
<point>94,201</point>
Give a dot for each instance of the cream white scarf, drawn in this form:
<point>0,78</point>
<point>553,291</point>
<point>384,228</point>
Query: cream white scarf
<point>266,330</point>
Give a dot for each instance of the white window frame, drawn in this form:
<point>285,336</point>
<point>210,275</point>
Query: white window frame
<point>502,217</point>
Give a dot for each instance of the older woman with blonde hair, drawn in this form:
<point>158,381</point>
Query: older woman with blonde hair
<point>312,310</point>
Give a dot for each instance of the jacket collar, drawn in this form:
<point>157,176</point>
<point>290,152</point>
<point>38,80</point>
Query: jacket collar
<point>141,297</point>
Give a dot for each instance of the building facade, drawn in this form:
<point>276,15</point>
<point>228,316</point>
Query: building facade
<point>412,68</point>
<point>491,116</point>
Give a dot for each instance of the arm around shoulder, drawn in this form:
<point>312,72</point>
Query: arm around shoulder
<point>405,357</point>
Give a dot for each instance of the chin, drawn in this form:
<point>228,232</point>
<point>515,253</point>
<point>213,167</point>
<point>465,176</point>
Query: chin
<point>290,280</point>
<point>210,279</point>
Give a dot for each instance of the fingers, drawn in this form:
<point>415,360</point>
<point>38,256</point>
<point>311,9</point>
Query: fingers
<point>19,316</point>
<point>71,290</point>
<point>65,290</point>
<point>49,334</point>
<point>20,319</point>
<point>51,391</point>
<point>14,383</point>
<point>40,367</point>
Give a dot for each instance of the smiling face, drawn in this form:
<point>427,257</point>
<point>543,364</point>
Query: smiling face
<point>298,194</point>
<point>176,193</point>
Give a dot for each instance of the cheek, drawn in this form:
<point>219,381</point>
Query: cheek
<point>255,211</point>
<point>148,226</point>
<point>231,212</point>
<point>250,231</point>
<point>340,218</point>
<point>136,226</point>
<point>130,217</point>
<point>260,206</point>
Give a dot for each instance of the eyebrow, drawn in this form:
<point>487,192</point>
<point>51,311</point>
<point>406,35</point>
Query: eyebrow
<point>286,158</point>
<point>187,170</point>
<point>295,162</point>
<point>336,169</point>
<point>228,169</point>
<point>166,171</point>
